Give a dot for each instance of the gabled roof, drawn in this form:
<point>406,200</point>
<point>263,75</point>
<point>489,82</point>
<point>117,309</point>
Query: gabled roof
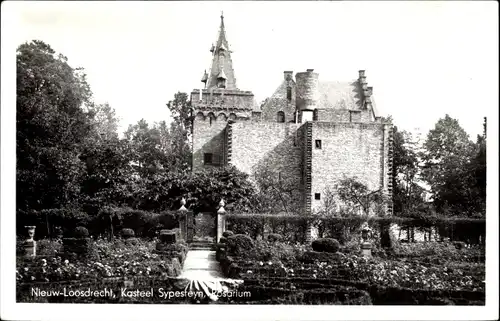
<point>340,95</point>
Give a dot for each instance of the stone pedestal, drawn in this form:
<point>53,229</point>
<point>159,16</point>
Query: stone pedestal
<point>30,248</point>
<point>30,243</point>
<point>366,249</point>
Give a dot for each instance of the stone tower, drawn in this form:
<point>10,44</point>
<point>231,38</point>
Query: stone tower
<point>217,103</point>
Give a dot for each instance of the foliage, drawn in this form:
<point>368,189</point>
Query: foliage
<point>326,245</point>
<point>239,243</point>
<point>51,127</point>
<point>81,232</point>
<point>128,233</point>
<point>116,259</point>
<point>407,191</point>
<point>275,192</point>
<point>448,168</point>
<point>274,237</point>
<point>358,199</point>
<point>227,233</point>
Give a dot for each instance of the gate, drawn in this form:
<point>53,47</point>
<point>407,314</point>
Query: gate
<point>205,227</point>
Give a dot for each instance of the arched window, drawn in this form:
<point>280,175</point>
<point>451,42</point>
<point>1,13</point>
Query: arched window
<point>315,115</point>
<point>281,117</point>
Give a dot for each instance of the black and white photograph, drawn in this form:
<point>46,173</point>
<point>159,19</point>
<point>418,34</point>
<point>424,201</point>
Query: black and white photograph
<point>249,160</point>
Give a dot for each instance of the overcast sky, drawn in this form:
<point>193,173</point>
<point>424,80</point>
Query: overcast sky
<point>423,59</point>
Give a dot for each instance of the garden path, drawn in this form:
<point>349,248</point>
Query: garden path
<point>201,265</point>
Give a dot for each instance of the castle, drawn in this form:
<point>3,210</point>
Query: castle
<point>312,132</point>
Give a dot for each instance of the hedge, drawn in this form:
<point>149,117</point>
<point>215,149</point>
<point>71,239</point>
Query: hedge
<point>144,224</point>
<point>293,227</point>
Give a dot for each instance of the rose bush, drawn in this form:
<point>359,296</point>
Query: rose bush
<point>116,259</point>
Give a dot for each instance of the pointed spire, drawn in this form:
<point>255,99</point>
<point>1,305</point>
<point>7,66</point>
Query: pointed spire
<point>222,66</point>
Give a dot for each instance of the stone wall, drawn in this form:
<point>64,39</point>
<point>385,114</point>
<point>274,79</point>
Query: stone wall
<point>208,137</point>
<point>270,148</point>
<point>280,102</point>
<point>222,98</point>
<point>348,150</point>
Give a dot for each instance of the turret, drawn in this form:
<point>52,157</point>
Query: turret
<point>307,94</point>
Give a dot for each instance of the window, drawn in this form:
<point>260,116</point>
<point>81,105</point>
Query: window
<point>281,117</point>
<point>317,143</point>
<point>315,115</point>
<point>317,196</point>
<point>289,93</point>
<point>208,158</point>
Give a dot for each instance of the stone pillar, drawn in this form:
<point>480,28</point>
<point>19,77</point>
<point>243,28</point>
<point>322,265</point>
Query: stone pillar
<point>221,220</point>
<point>183,219</point>
<point>30,243</point>
<point>309,233</point>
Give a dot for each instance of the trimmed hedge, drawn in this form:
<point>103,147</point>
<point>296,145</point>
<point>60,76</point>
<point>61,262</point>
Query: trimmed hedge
<point>326,245</point>
<point>293,227</point>
<point>313,256</point>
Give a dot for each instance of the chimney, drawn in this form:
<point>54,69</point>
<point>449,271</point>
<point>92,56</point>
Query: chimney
<point>310,70</point>
<point>370,91</point>
<point>361,73</point>
<point>288,75</point>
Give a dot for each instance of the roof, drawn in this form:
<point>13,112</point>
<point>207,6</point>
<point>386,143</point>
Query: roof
<point>340,95</point>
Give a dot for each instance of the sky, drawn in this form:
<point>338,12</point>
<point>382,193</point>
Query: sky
<point>423,59</point>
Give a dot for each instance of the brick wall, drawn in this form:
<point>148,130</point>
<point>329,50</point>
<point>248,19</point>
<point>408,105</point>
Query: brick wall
<point>279,102</point>
<point>272,147</point>
<point>348,150</point>
<point>208,137</point>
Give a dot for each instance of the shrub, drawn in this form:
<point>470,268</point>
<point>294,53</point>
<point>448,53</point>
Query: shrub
<point>227,233</point>
<point>48,248</point>
<point>459,245</point>
<point>312,257</point>
<point>326,245</point>
<point>128,233</point>
<point>81,232</point>
<point>274,237</point>
<point>239,243</point>
<point>132,241</point>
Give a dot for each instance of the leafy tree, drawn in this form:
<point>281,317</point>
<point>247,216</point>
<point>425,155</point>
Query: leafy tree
<point>202,190</point>
<point>51,127</point>
<point>357,198</point>
<point>181,129</point>
<point>157,148</point>
<point>447,167</point>
<point>276,192</point>
<point>407,193</point>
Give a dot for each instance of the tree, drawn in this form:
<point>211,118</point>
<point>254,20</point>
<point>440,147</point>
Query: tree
<point>276,192</point>
<point>407,193</point>
<point>447,167</point>
<point>51,127</point>
<point>357,198</point>
<point>181,129</point>
<point>157,148</point>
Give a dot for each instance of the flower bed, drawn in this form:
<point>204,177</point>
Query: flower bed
<point>117,259</point>
<point>286,261</point>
